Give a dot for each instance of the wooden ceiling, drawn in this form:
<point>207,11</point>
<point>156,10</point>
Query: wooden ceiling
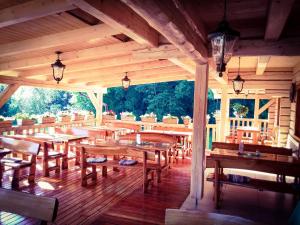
<point>154,41</point>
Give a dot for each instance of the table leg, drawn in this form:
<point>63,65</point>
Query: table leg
<point>159,170</point>
<point>65,158</point>
<point>217,184</point>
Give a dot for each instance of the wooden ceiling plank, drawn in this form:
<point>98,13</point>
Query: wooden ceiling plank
<point>32,10</point>
<point>57,40</point>
<point>282,47</point>
<point>262,62</point>
<point>73,56</point>
<point>279,12</point>
<point>89,76</point>
<point>87,65</point>
<point>164,51</point>
<point>7,93</point>
<point>122,18</point>
<point>170,23</point>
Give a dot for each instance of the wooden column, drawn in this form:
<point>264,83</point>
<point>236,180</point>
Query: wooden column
<point>97,101</point>
<point>256,111</point>
<point>199,118</point>
<point>223,120</point>
<point>7,93</point>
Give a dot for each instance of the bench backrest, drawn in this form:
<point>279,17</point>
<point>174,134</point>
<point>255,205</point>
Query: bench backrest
<point>151,137</point>
<point>113,150</point>
<point>128,126</point>
<point>253,148</point>
<point>82,132</point>
<point>179,129</point>
<point>21,146</point>
<point>24,204</point>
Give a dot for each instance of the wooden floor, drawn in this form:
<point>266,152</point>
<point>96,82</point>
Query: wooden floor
<point>117,197</point>
<point>119,200</point>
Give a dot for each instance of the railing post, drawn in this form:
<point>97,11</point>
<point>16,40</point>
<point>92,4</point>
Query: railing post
<point>223,119</point>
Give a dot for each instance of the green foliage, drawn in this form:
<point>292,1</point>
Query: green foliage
<point>240,110</point>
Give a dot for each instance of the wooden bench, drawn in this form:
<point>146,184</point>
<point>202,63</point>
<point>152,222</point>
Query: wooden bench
<point>28,205</point>
<point>26,149</point>
<point>92,151</point>
<point>159,138</point>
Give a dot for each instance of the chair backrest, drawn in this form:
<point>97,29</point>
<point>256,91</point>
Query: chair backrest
<point>21,146</point>
<point>150,137</point>
<point>24,204</point>
<point>253,148</point>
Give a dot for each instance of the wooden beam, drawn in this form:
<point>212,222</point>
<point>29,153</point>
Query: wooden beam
<point>266,106</point>
<point>119,16</point>
<point>167,19</point>
<point>165,51</point>
<point>184,65</point>
<point>7,93</point>
<point>199,132</point>
<point>42,84</point>
<point>279,12</point>
<point>282,47</point>
<point>262,62</point>
<point>57,40</point>
<point>32,10</point>
<point>112,50</point>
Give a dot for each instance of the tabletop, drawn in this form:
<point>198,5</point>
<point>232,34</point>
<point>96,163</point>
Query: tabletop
<point>175,133</point>
<point>146,146</point>
<point>218,153</point>
<point>51,137</point>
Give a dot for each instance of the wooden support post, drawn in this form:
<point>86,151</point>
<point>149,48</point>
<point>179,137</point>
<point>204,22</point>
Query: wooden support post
<point>97,103</point>
<point>223,119</point>
<point>7,93</point>
<point>256,111</point>
<point>199,118</point>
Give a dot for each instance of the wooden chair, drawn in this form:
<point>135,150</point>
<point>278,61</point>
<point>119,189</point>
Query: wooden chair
<point>92,151</point>
<point>28,205</point>
<point>127,126</point>
<point>26,149</point>
<point>272,137</point>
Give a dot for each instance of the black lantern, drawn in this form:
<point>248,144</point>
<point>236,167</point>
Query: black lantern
<point>58,68</point>
<point>222,41</point>
<point>238,82</point>
<point>126,82</point>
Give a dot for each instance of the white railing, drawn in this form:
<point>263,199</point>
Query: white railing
<point>235,123</point>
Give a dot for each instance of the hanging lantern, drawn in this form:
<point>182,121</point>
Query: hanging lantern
<point>58,68</point>
<point>238,82</point>
<point>126,82</point>
<point>223,40</point>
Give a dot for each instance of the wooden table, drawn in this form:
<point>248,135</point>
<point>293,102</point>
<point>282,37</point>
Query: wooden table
<point>269,163</point>
<point>56,138</point>
<point>254,131</point>
<point>158,148</point>
<point>180,135</point>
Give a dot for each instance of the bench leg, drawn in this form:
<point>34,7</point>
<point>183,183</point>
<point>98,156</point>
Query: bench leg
<point>31,177</point>
<point>1,173</point>
<point>116,169</point>
<point>83,177</point>
<point>57,164</point>
<point>104,171</point>
<point>94,171</point>
<point>46,168</point>
<point>16,179</point>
